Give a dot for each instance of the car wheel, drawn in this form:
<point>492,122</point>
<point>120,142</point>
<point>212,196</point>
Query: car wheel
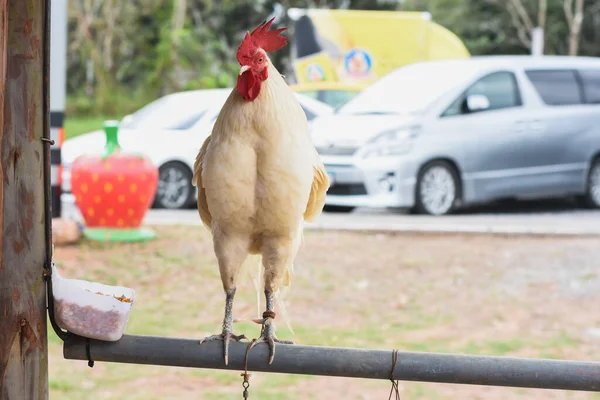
<point>592,194</point>
<point>175,190</point>
<point>438,189</point>
<point>338,209</point>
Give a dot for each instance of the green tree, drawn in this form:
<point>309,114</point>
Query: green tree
<point>123,54</point>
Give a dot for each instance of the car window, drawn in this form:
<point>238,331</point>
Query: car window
<point>187,123</point>
<point>591,85</point>
<point>500,88</point>
<point>175,111</point>
<point>336,98</point>
<point>333,98</point>
<point>410,89</point>
<point>309,114</point>
<point>313,94</point>
<point>556,87</point>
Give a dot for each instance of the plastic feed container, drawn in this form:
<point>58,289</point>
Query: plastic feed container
<point>91,309</point>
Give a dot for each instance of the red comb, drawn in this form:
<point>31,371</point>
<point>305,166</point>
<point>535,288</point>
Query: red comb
<point>263,38</point>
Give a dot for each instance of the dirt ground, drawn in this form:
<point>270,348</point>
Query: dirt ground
<point>488,295</point>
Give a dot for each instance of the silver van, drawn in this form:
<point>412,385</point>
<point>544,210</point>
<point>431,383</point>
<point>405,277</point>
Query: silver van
<point>433,136</point>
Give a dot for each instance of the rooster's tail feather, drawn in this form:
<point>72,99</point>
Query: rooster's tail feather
<point>288,277</point>
<point>280,295</point>
<point>254,268</point>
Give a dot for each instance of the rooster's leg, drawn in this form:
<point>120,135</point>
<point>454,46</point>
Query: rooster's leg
<point>231,251</point>
<point>227,334</point>
<point>267,334</point>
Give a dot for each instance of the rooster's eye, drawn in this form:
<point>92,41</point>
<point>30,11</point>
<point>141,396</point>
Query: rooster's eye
<point>260,60</point>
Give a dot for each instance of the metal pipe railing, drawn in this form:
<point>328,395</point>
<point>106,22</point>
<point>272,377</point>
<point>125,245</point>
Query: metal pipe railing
<point>344,362</point>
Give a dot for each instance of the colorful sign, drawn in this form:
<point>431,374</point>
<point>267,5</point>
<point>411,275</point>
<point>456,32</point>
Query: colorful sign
<point>315,68</point>
<point>315,73</point>
<point>361,46</point>
<point>358,63</point>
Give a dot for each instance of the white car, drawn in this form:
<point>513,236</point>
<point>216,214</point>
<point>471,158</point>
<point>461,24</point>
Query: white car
<point>438,135</point>
<point>170,131</point>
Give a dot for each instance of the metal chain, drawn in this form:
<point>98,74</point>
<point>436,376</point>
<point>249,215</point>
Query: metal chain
<point>246,384</point>
<point>246,375</point>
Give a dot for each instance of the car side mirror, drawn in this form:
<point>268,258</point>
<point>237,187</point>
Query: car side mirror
<point>477,102</point>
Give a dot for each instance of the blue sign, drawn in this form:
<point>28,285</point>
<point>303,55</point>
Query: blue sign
<point>315,73</point>
<point>358,62</point>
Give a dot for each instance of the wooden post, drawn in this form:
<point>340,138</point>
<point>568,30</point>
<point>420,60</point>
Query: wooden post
<point>23,118</point>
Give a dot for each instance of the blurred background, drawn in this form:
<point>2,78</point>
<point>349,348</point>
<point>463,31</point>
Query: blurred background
<point>453,119</point>
<point>123,55</point>
<point>132,62</point>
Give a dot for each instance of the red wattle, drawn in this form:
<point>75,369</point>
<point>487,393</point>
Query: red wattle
<point>248,84</point>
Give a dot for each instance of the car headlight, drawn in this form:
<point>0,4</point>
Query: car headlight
<point>390,143</point>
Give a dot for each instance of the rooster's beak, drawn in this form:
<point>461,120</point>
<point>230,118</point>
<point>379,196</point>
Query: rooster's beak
<point>244,69</point>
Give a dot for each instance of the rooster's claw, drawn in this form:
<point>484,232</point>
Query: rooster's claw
<point>268,336</point>
<point>226,337</point>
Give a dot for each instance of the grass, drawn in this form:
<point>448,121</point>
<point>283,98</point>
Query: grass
<point>78,125</point>
<point>445,294</point>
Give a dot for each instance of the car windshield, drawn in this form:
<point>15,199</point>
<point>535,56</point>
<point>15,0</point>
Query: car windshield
<point>334,98</point>
<point>169,112</point>
<point>410,89</point>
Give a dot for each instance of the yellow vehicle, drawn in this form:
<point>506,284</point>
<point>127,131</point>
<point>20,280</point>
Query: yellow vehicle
<point>359,46</point>
<point>334,94</point>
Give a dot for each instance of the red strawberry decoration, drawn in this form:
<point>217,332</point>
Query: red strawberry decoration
<point>114,191</point>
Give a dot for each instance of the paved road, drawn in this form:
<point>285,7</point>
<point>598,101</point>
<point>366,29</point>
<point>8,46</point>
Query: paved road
<point>541,218</point>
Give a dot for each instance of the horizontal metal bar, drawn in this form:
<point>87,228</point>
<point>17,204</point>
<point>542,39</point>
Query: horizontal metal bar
<point>344,362</point>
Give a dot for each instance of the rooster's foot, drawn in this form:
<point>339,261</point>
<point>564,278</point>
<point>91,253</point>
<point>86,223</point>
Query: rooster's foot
<point>268,336</point>
<point>226,337</point>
